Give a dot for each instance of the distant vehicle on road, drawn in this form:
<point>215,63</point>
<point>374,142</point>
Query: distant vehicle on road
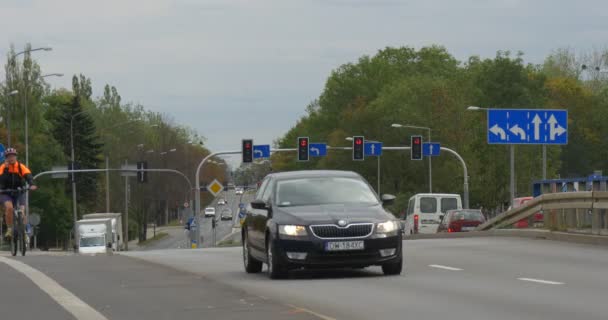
<point>239,190</point>
<point>461,220</point>
<point>94,235</point>
<point>226,215</point>
<point>230,186</point>
<point>222,202</point>
<point>538,218</point>
<point>209,212</point>
<point>319,219</point>
<point>425,211</point>
<point>116,231</point>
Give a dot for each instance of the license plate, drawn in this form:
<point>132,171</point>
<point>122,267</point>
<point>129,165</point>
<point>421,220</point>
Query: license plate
<point>468,228</point>
<point>344,245</point>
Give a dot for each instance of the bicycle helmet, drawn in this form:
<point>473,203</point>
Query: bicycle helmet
<point>10,151</point>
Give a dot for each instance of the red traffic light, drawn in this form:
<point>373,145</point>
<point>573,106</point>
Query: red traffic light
<point>416,140</point>
<point>247,145</point>
<point>303,142</point>
<point>358,141</point>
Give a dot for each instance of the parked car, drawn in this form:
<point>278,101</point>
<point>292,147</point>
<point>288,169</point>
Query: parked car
<point>461,220</point>
<point>209,212</point>
<point>425,211</point>
<point>320,219</point>
<point>537,219</point>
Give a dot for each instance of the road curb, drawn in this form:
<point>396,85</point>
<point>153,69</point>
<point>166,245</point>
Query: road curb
<point>534,234</point>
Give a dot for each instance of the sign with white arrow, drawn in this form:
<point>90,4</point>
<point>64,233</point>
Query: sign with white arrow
<point>317,149</point>
<point>372,148</point>
<point>431,149</point>
<point>261,151</point>
<point>527,126</point>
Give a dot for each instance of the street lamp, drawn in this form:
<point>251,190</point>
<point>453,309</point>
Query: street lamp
<point>396,125</point>
<point>32,50</point>
<point>378,180</point>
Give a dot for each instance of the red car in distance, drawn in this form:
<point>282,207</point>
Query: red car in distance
<point>461,220</point>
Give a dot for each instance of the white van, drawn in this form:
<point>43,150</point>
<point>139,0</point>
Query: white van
<point>425,210</point>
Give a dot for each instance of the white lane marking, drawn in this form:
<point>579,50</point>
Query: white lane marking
<point>539,281</point>
<point>438,266</point>
<point>318,315</point>
<point>78,308</point>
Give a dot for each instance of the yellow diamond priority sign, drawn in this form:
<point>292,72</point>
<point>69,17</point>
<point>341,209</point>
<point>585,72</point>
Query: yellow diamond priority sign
<point>215,188</point>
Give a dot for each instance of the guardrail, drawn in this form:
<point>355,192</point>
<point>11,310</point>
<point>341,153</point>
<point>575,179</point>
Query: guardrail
<point>567,211</point>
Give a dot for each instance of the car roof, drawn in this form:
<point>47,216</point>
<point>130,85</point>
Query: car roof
<point>436,195</point>
<point>313,174</point>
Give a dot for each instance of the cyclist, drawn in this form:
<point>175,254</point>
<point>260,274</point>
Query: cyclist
<point>13,175</point>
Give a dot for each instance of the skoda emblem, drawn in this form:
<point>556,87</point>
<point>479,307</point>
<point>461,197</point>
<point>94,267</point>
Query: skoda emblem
<point>342,223</point>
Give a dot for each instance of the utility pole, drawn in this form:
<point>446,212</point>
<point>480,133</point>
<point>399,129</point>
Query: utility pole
<point>126,240</point>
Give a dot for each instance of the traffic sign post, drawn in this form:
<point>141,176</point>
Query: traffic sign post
<point>261,151</point>
<point>318,149</point>
<point>373,149</point>
<point>527,126</point>
<point>431,149</point>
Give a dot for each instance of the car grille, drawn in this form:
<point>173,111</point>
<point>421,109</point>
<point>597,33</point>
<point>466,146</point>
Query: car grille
<point>351,231</point>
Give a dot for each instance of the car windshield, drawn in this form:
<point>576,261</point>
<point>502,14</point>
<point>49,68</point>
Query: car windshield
<point>468,215</point>
<point>323,190</point>
<point>92,241</point>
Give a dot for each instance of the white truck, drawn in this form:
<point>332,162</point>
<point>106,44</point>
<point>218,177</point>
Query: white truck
<point>117,239</point>
<point>94,235</point>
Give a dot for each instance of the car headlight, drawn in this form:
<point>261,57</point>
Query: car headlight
<point>387,227</point>
<point>292,230</point>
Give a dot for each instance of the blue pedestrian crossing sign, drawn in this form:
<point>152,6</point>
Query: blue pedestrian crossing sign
<point>373,148</point>
<point>527,126</point>
<point>261,151</point>
<point>431,149</point>
<point>317,149</point>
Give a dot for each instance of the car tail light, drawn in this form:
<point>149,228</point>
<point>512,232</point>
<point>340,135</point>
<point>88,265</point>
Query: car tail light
<point>416,223</point>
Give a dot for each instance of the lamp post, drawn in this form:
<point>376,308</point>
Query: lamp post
<point>396,125</point>
<point>167,198</point>
<point>512,159</point>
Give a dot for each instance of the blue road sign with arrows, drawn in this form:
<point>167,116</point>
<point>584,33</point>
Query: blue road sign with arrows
<point>431,149</point>
<point>317,149</point>
<point>373,148</point>
<point>1,152</point>
<point>261,151</point>
<point>533,126</point>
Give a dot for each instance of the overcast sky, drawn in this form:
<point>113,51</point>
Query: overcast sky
<point>247,68</point>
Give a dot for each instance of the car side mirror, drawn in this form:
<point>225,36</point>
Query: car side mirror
<point>388,199</point>
<point>259,204</point>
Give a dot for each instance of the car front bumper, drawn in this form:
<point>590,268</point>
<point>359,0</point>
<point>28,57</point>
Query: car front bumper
<point>318,257</point>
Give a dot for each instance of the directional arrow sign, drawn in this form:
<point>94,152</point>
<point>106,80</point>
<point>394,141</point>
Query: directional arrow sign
<point>431,149</point>
<point>261,151</point>
<point>527,126</point>
<point>317,149</point>
<point>373,148</point>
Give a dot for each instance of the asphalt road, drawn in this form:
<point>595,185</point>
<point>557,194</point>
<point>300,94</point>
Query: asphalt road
<point>118,287</point>
<point>469,278</point>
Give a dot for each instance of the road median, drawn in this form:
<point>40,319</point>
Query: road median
<point>522,233</point>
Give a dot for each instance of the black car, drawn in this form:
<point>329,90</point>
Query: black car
<point>319,219</point>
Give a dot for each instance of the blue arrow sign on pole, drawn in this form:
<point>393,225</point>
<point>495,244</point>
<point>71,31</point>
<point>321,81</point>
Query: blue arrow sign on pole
<point>527,126</point>
<point>373,148</point>
<point>317,149</point>
<point>431,149</point>
<point>261,151</point>
<point>1,152</point>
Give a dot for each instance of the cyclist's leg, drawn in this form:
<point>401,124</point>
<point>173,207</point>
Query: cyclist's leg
<point>7,201</point>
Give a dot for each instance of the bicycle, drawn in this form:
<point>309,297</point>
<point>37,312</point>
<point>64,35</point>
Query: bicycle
<point>19,238</point>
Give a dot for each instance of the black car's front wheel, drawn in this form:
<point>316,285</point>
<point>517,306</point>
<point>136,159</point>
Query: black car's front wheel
<point>391,269</point>
<point>275,269</point>
<point>251,264</point>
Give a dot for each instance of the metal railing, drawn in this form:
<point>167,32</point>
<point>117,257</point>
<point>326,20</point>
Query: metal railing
<point>584,212</point>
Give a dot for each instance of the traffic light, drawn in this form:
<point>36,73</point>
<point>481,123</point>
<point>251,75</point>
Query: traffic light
<point>358,144</point>
<point>416,145</point>
<point>247,150</point>
<point>142,176</point>
<point>303,151</point>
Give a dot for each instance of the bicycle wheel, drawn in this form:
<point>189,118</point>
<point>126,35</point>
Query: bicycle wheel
<point>14,242</point>
<point>22,240</point>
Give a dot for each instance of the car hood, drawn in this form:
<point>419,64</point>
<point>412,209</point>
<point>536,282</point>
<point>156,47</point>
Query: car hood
<point>331,214</point>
